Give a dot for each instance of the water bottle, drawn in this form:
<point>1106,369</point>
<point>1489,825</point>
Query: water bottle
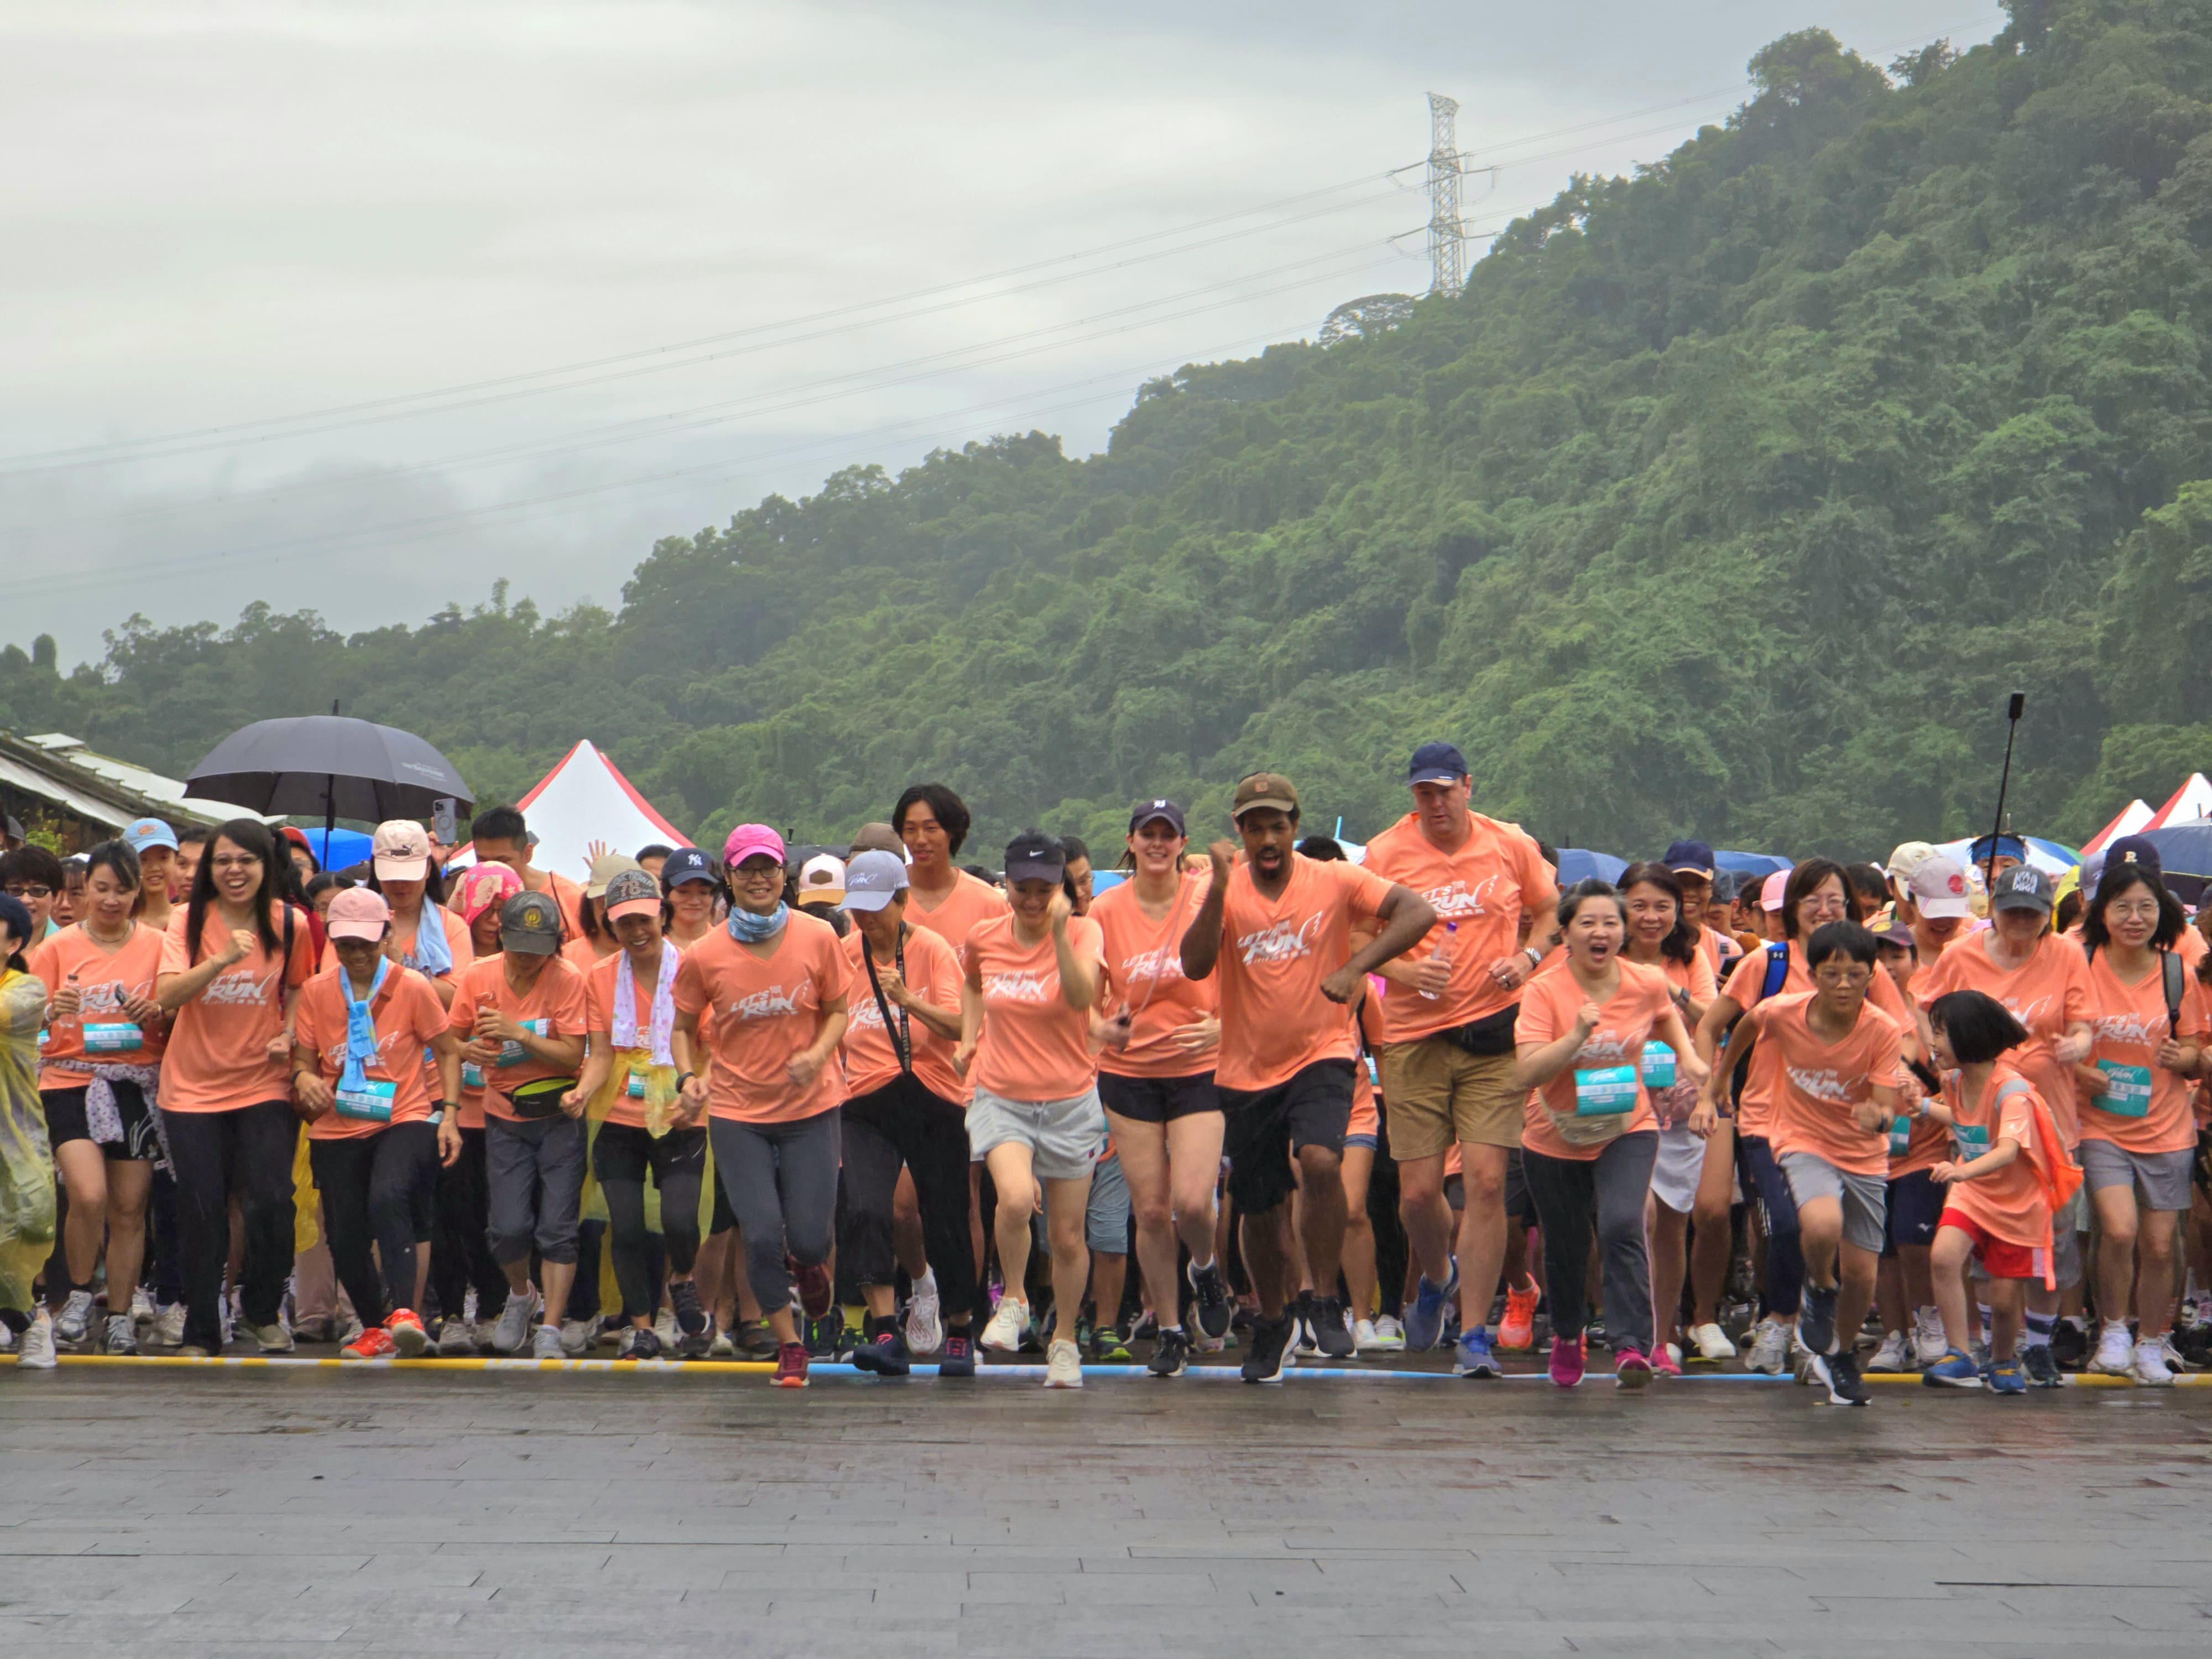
<point>1440,955</point>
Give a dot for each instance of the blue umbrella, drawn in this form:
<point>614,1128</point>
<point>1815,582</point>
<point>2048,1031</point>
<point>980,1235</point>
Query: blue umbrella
<point>338,849</point>
<point>2185,856</point>
<point>1761,865</point>
<point>1580,864</point>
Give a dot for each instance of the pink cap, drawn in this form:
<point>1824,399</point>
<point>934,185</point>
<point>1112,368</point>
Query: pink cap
<point>401,850</point>
<point>748,840</point>
<point>357,913</point>
<point>486,887</point>
<point>1771,890</point>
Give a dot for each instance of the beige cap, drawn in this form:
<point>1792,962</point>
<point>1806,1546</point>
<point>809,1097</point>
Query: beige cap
<point>401,850</point>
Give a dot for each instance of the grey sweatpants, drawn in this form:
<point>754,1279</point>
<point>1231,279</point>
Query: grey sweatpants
<point>782,1182</point>
<point>1576,1196</point>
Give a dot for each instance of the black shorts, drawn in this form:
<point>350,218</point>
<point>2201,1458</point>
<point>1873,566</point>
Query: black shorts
<point>623,1152</point>
<point>1916,1204</point>
<point>66,1121</point>
<point>1261,1127</point>
<point>1157,1099</point>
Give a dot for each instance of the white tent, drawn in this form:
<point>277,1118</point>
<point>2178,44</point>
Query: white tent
<point>585,798</point>
<point>2135,815</point>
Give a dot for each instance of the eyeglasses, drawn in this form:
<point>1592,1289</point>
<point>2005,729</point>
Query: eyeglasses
<point>243,861</point>
<point>26,890</point>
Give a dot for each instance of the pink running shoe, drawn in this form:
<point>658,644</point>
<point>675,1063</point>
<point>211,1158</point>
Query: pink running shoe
<point>1664,1362</point>
<point>1566,1361</point>
<point>1631,1370</point>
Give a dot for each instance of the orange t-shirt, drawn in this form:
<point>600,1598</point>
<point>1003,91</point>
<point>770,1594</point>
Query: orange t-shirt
<point>558,1000</point>
<point>628,1109</point>
<point>2046,994</point>
<point>1817,1085</point>
<point>1274,955</point>
<point>1548,1006</point>
<point>1481,892</point>
<point>1690,982</point>
<point>407,1015</point>
<point>1745,985</point>
<point>2130,1023</point>
<point>105,980</point>
<point>1144,966</point>
<point>2009,1204</point>
<point>218,1058</point>
<point>966,908</point>
<point>766,1011</point>
<point>1034,1046</point>
<point>584,954</point>
<point>933,974</point>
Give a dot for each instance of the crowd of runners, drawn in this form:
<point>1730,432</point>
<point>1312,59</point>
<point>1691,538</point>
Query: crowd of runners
<point>1918,1116</point>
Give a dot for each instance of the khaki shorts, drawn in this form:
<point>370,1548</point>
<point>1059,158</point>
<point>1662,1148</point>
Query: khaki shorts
<point>1437,1094</point>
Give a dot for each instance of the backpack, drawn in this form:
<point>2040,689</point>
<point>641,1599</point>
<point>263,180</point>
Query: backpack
<point>2056,1172</point>
<point>1777,970</point>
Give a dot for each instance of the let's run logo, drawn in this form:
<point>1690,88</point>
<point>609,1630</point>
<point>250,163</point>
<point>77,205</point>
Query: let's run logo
<point>2135,1029</point>
<point>1826,1084</point>
<point>1456,901</point>
<point>1021,986</point>
<point>1281,941</point>
<point>765,1004</point>
<point>1162,963</point>
<point>237,990</point>
<point>1603,1048</point>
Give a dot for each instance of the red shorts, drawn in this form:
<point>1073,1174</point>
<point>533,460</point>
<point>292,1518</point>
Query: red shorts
<point>2001,1259</point>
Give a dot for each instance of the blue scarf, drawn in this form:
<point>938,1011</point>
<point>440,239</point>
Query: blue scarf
<point>431,955</point>
<point>747,928</point>
<point>361,1031</point>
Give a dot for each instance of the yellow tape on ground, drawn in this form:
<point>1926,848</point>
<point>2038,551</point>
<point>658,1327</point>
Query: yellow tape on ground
<point>272,1362</point>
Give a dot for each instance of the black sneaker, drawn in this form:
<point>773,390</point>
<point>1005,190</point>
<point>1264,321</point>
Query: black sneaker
<point>1845,1388</point>
<point>683,1303</point>
<point>1816,1318</point>
<point>644,1345</point>
<point>958,1358</point>
<point>827,1338</point>
<point>881,1349</point>
<point>1171,1354</point>
<point>1301,1327</point>
<point>1331,1335</point>
<point>2041,1366</point>
<point>696,1345</point>
<point>2069,1346</point>
<point>1214,1307</point>
<point>1271,1343</point>
<point>1108,1347</point>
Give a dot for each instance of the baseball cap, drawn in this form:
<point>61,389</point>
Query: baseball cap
<point>400,851</point>
<point>1771,890</point>
<point>752,841</point>
<point>873,879</point>
<point>1160,808</point>
<point>530,923</point>
<point>604,869</point>
<point>357,913</point>
<point>1435,762</point>
<point>687,864</point>
<point>16,917</point>
<point>1900,936</point>
<point>822,877</point>
<point>877,838</point>
<point>298,837</point>
<point>632,892</point>
<point>1907,857</point>
<point>2134,849</point>
<point>2023,887</point>
<point>485,885</point>
<point>142,833</point>
<point>1269,789</point>
<point>1032,856</point>
<point>1938,888</point>
<point>1689,858</point>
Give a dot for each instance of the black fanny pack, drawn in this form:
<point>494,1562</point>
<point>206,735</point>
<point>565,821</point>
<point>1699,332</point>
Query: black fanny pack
<point>541,1098</point>
<point>1489,1035</point>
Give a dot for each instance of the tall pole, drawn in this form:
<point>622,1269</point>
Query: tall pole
<point>2014,706</point>
<point>1447,236</point>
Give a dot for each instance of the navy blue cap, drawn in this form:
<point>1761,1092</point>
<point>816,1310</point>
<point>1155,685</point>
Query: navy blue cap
<point>1031,856</point>
<point>1159,807</point>
<point>1437,763</point>
<point>2135,849</point>
<point>15,916</point>
<point>687,864</point>
<point>1689,858</point>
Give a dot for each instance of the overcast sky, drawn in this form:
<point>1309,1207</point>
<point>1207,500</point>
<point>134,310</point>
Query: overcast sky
<point>361,308</point>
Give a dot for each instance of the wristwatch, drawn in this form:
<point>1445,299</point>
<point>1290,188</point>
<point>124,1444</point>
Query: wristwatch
<point>683,1077</point>
<point>1536,956</point>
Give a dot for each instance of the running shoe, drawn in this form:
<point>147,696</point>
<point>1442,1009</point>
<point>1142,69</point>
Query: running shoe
<point>169,1324</point>
<point>70,1323</point>
<point>958,1359</point>
<point>2149,1365</point>
<point>881,1349</point>
<point>1840,1372</point>
<point>35,1349</point>
<point>2041,1366</point>
<point>815,1291</point>
<point>924,1316</point>
<point>1474,1356</point>
<point>1631,1369</point>
<point>1424,1320</point>
<point>757,1340</point>
<point>1302,1340</point>
<point>193,1351</point>
<point>407,1334</point>
<point>1955,1370</point>
<point>724,1346</point>
<point>577,1335</point>
<point>790,1366</point>
<point>664,1326</point>
<point>2008,1377</point>
<point>1594,1332</point>
<point>456,1339</point>
<point>1009,1322</point>
<point>1816,1318</point>
<point>1712,1344</point>
<point>546,1344</point>
<point>1516,1332</point>
<point>373,1343</point>
<point>1063,1366</point>
<point>271,1338</point>
<point>696,1345</point>
<point>122,1335</point>
<point>829,1338</point>
<point>1271,1345</point>
<point>1930,1345</point>
<point>1171,1354</point>
<point>1211,1293</point>
<point>1108,1347</point>
<point>1363,1336</point>
<point>1566,1365</point>
<point>142,1310</point>
<point>2176,1360</point>
<point>2115,1355</point>
<point>314,1327</point>
<point>516,1321</point>
<point>1331,1335</point>
<point>1389,1336</point>
<point>1894,1355</point>
<point>1769,1348</point>
<point>2069,1344</point>
<point>645,1344</point>
<point>684,1301</point>
<point>1667,1359</point>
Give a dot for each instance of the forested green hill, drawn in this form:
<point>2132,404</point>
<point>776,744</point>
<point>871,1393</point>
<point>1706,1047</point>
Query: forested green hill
<point>1730,499</point>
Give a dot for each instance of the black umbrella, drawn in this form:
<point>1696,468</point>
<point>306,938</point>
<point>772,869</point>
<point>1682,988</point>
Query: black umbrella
<point>328,764</point>
<point>2185,854</point>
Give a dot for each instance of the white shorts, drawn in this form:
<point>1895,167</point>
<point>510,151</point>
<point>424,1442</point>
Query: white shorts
<point>1065,1137</point>
<point>1680,1164</point>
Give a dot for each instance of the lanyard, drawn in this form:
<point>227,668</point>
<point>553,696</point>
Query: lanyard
<point>903,1037</point>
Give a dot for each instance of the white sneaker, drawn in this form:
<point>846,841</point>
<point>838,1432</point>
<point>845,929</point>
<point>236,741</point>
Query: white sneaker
<point>546,1344</point>
<point>1010,1322</point>
<point>1063,1366</point>
<point>122,1335</point>
<point>2150,1369</point>
<point>1389,1336</point>
<point>1363,1336</point>
<point>142,1306</point>
<point>515,1321</point>
<point>723,1346</point>
<point>577,1335</point>
<point>36,1350</point>
<point>456,1339</point>
<point>925,1316</point>
<point>271,1338</point>
<point>70,1324</point>
<point>169,1324</point>
<point>2115,1355</point>
<point>1930,1345</point>
<point>1895,1354</point>
<point>1714,1347</point>
<point>663,1328</point>
<point>7,1339</point>
<point>1769,1348</point>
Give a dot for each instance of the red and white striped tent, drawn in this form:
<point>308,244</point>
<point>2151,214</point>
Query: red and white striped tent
<point>2193,800</point>
<point>585,798</point>
<point>2135,815</point>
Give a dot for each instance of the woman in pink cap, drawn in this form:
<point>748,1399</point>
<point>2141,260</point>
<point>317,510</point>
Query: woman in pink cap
<point>776,979</point>
<point>401,869</point>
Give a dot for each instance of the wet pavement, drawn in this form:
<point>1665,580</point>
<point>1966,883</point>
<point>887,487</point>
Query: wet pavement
<point>195,1512</point>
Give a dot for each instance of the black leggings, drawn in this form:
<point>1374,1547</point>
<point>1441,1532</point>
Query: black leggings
<point>904,1123</point>
<point>460,1255</point>
<point>622,1156</point>
<point>1764,1185</point>
<point>368,1184</point>
<point>246,1151</point>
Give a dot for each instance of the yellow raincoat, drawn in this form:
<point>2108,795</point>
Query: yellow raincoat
<point>26,1162</point>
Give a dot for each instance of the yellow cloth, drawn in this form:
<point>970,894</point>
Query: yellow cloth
<point>307,1199</point>
<point>27,1161</point>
